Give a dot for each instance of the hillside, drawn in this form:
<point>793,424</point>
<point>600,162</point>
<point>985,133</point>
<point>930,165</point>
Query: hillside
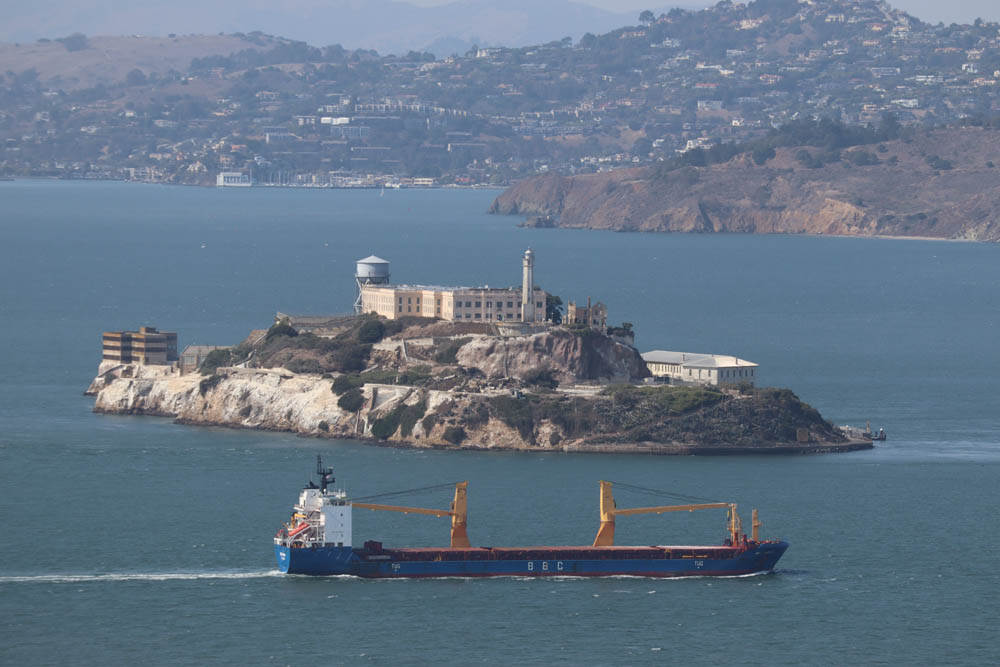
<point>388,26</point>
<point>938,184</point>
<point>108,60</point>
<point>285,113</point>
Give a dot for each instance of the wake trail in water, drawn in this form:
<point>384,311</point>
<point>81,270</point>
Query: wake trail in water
<point>133,576</point>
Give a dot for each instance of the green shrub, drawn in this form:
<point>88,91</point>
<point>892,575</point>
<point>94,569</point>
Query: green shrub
<point>344,383</point>
<point>304,366</point>
<point>352,400</point>
<point>371,331</point>
<point>410,415</point>
<point>937,162</point>
<point>541,377</point>
<point>762,154</point>
<point>516,413</point>
<point>208,383</point>
<point>282,328</point>
<point>415,375</point>
<point>429,422</point>
<point>215,359</point>
<point>353,357</point>
<point>454,434</point>
<point>862,157</point>
<point>447,352</point>
<point>384,428</point>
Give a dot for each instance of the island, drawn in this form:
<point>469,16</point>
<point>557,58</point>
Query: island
<point>423,381</point>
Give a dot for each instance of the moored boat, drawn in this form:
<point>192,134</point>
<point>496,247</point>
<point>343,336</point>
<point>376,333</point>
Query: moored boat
<point>318,541</point>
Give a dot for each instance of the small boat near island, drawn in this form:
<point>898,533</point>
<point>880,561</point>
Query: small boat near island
<point>879,436</point>
<point>318,541</point>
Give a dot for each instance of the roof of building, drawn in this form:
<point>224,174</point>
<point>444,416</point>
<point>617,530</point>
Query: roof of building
<point>372,259</point>
<point>695,359</point>
<point>446,288</point>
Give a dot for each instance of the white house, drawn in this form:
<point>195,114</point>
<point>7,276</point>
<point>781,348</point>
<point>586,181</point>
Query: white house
<point>698,368</point>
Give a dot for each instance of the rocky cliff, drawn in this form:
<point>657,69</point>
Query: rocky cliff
<point>620,418</point>
<point>938,184</point>
<point>572,356</point>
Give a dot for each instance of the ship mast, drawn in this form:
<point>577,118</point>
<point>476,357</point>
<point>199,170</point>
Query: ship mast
<point>325,475</point>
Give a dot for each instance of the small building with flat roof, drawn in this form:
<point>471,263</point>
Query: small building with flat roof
<point>194,356</point>
<point>147,347</point>
<point>699,368</point>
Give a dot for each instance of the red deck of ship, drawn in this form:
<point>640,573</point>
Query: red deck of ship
<point>558,553</point>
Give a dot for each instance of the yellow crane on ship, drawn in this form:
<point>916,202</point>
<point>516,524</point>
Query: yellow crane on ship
<point>609,510</point>
<point>458,512</point>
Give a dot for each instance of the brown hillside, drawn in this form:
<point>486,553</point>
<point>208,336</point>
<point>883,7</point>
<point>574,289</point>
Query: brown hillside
<point>108,60</point>
<point>902,195</point>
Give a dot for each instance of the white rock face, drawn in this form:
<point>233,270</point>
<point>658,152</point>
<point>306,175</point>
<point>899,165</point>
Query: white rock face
<point>572,357</point>
<point>284,401</point>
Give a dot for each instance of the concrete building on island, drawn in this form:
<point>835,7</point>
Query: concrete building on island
<point>594,316</point>
<point>147,346</point>
<point>194,356</point>
<point>466,304</point>
<point>696,368</point>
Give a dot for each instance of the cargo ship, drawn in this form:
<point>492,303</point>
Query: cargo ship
<point>318,541</point>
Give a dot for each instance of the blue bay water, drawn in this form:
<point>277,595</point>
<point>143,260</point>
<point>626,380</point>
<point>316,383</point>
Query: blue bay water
<point>135,539</point>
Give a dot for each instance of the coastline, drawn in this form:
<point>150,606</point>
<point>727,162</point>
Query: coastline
<point>303,404</point>
<point>641,448</point>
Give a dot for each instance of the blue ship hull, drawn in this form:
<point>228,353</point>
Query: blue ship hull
<point>410,563</point>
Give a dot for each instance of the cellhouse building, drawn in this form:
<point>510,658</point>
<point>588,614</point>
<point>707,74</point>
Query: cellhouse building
<point>506,304</point>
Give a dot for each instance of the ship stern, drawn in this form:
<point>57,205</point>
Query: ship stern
<point>283,555</point>
<point>315,560</point>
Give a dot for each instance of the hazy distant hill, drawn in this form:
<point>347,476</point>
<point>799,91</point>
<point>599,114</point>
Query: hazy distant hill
<point>107,60</point>
<point>388,26</point>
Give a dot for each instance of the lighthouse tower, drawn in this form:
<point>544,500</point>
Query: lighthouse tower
<point>528,287</point>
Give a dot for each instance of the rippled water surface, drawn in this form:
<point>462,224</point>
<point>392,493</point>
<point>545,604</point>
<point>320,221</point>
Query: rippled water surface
<point>131,539</point>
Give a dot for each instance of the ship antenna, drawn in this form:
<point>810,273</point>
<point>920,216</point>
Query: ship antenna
<point>325,474</point>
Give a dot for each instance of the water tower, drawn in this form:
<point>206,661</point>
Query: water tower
<point>371,270</point>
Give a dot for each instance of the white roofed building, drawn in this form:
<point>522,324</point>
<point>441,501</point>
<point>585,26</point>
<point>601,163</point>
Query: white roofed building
<point>699,368</point>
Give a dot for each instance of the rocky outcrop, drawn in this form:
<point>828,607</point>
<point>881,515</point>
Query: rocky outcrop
<point>633,419</point>
<point>571,355</point>
<point>908,193</point>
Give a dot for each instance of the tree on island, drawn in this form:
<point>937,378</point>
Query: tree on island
<point>553,308</point>
<point>647,17</point>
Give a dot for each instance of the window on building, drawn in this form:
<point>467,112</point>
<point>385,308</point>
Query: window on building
<point>479,316</point>
<point>479,304</point>
<point>538,304</point>
<point>499,317</point>
<point>400,308</point>
<point>510,304</point>
<point>408,309</point>
<point>468,316</point>
<point>409,299</point>
<point>489,304</point>
<point>468,304</point>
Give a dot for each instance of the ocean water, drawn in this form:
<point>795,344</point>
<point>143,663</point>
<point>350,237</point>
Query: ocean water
<point>136,540</point>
